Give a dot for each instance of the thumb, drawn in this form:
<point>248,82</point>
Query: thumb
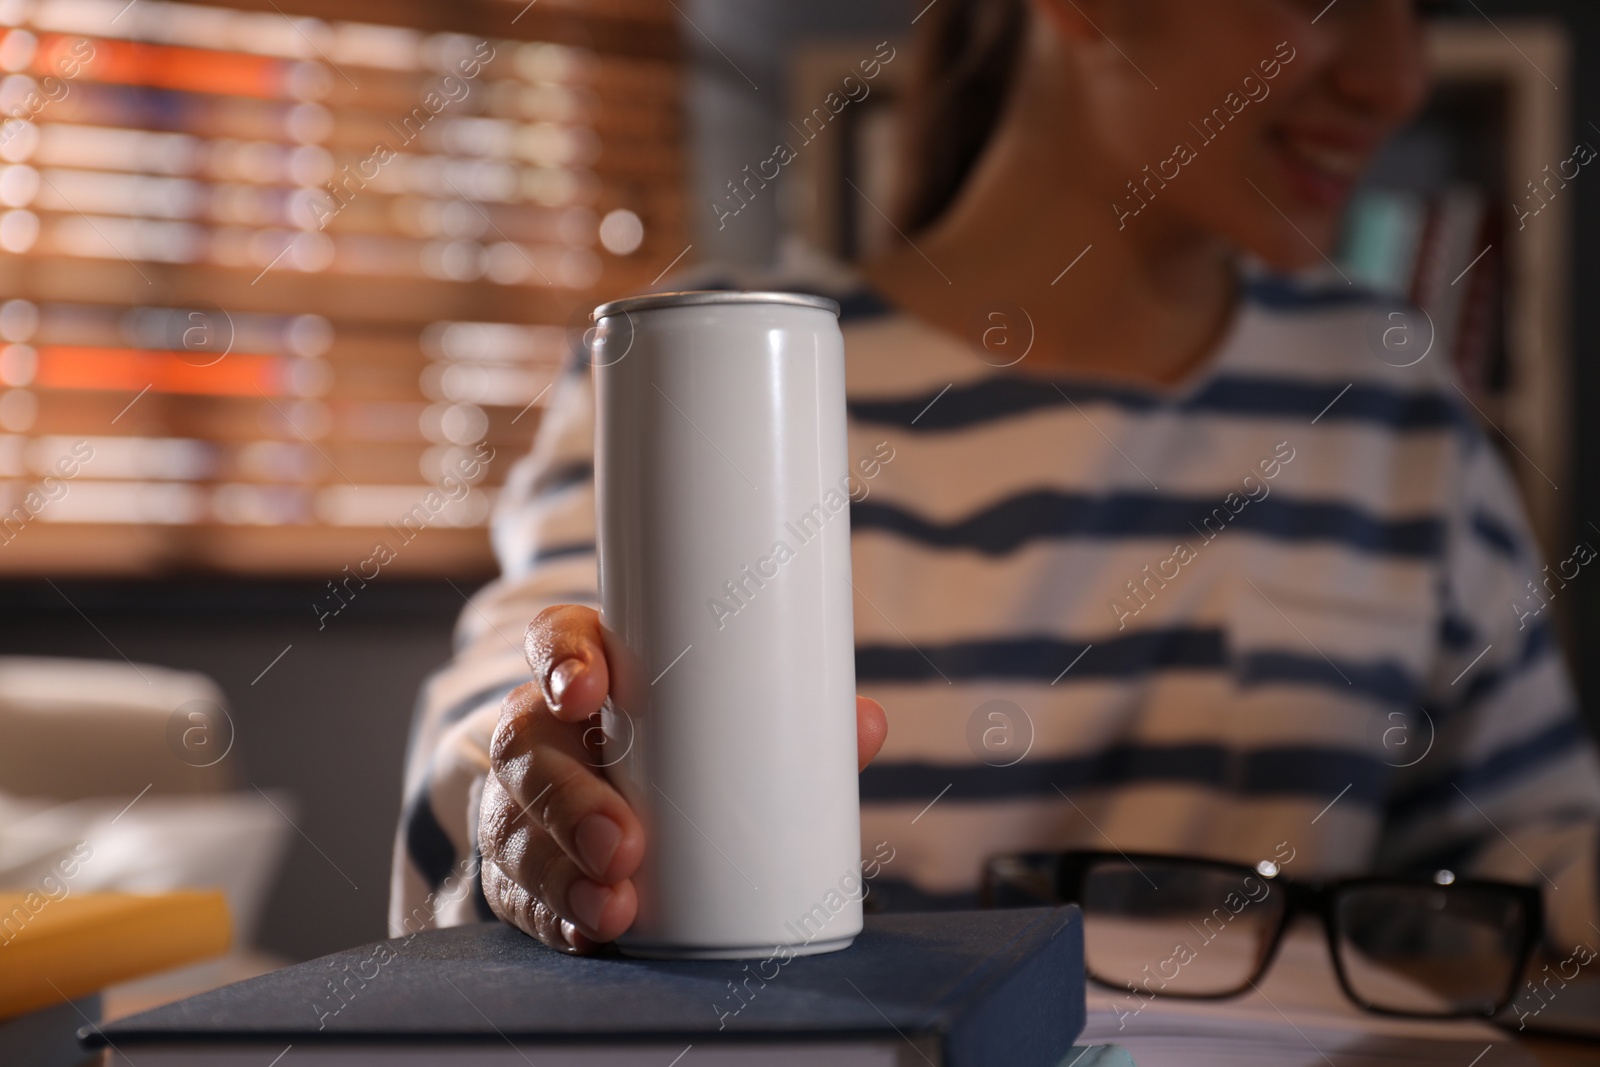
<point>566,652</point>
<point>872,728</point>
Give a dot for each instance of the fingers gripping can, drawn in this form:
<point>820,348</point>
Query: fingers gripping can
<point>724,545</point>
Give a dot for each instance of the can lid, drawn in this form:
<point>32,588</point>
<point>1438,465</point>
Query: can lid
<point>711,296</point>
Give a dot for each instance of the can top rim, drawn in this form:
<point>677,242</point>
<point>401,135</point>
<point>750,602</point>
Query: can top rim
<point>711,296</point>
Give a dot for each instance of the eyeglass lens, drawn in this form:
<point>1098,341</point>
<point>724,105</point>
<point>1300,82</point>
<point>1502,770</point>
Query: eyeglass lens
<point>1427,949</point>
<point>1177,929</point>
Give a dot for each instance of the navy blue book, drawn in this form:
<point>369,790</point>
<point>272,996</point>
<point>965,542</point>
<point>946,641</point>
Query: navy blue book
<point>950,989</point>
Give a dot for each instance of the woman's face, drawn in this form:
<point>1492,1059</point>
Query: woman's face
<point>1249,119</point>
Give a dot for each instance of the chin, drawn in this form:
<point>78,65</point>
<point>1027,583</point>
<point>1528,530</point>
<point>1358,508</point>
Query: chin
<point>1298,208</point>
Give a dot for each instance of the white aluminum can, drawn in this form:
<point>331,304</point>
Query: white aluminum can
<point>724,543</point>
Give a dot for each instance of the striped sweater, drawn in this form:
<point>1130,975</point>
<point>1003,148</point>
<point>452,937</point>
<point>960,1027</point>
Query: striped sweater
<point>1284,601</point>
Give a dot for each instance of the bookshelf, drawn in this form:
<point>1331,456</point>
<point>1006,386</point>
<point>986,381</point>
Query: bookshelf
<point>1517,69</point>
<point>268,279</point>
<point>1468,239</point>
<point>1498,116</point>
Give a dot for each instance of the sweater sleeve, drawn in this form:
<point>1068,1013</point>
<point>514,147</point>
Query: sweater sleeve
<point>543,532</point>
<point>1510,787</point>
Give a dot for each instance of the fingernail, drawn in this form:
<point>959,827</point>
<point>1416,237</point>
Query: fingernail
<point>588,902</point>
<point>597,838</point>
<point>569,933</point>
<point>562,676</point>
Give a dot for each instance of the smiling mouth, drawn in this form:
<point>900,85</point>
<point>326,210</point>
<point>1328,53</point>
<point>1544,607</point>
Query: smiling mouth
<point>1319,171</point>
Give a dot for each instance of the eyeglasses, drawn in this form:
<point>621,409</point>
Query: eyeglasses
<point>1178,927</point>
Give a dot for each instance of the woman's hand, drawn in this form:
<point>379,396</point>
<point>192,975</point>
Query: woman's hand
<point>560,845</point>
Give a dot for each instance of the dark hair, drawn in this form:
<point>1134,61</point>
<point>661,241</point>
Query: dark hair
<point>966,54</point>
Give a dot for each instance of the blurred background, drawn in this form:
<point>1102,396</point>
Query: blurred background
<point>264,348</point>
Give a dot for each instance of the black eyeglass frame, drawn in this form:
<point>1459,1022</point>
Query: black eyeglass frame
<point>1070,870</point>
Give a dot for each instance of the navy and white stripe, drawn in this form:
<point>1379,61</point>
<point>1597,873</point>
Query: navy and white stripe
<point>1332,622</point>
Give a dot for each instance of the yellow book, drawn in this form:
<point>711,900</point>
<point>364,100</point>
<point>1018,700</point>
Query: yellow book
<point>52,950</point>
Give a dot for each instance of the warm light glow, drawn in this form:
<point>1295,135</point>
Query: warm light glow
<point>621,232</point>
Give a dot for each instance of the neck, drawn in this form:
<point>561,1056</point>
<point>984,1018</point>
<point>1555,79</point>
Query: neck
<point>1034,229</point>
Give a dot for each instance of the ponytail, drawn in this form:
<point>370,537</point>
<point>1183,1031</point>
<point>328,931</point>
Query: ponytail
<point>968,51</point>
